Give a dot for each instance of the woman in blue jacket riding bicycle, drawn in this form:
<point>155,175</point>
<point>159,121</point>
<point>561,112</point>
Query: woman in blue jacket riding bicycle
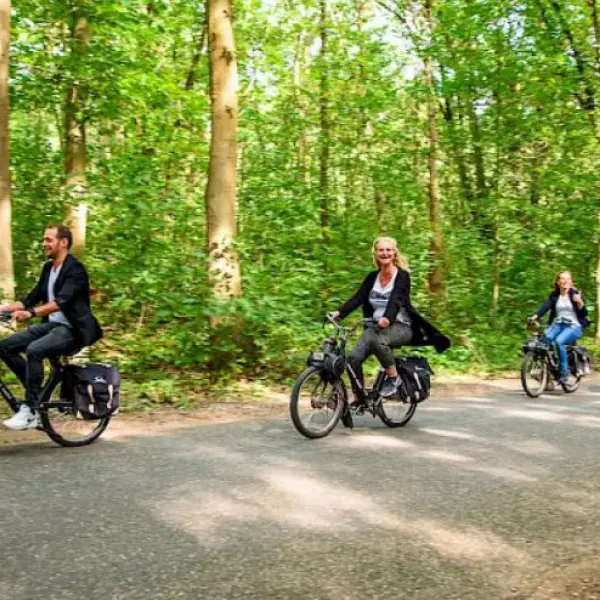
<point>568,317</point>
<point>385,297</point>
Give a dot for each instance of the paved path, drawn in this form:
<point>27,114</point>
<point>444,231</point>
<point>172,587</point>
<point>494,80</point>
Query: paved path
<point>489,496</point>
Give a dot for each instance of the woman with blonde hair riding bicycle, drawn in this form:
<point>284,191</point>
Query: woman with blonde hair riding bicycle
<point>568,317</point>
<point>385,298</point>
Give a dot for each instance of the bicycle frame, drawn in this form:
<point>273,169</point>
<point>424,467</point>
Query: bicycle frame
<point>548,351</point>
<point>368,396</point>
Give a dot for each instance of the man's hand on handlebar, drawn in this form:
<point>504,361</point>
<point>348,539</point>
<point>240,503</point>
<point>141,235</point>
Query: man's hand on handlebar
<point>22,315</point>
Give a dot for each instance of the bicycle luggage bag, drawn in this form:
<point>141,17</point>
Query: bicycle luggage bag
<point>95,388</point>
<point>415,373</point>
<point>581,361</point>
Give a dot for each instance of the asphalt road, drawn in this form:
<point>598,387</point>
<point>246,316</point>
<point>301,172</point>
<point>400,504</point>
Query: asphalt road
<point>486,496</point>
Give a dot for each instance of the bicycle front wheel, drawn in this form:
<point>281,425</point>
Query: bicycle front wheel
<point>534,374</point>
<point>62,425</point>
<point>317,403</point>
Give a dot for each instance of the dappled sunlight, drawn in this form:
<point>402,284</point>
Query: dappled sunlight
<point>573,508</point>
<point>559,408</point>
<point>533,447</point>
<point>205,452</point>
<point>275,496</point>
<point>459,435</point>
<point>481,407</point>
<point>476,399</point>
<point>503,473</point>
<point>550,415</point>
<point>203,514</point>
<point>587,421</point>
<point>546,406</point>
<point>373,442</point>
<point>438,409</point>
<point>473,544</point>
<point>446,456</point>
<point>304,502</point>
<point>538,415</point>
<point>576,502</point>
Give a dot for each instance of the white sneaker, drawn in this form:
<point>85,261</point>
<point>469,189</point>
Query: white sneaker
<point>24,419</point>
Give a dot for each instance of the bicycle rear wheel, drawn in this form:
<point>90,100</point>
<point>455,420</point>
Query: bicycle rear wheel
<point>61,424</point>
<point>395,412</point>
<point>534,374</point>
<point>316,403</point>
<point>571,384</point>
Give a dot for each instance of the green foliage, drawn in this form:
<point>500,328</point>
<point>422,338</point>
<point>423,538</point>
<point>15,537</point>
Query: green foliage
<point>518,171</point>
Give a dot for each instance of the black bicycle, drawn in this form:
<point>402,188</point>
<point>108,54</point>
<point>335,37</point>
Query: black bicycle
<point>320,398</point>
<point>541,366</point>
<point>59,416</point>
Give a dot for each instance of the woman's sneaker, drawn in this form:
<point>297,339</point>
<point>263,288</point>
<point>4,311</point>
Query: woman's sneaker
<point>390,386</point>
<point>24,419</point>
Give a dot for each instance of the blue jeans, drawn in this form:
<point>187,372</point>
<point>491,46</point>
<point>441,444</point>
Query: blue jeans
<point>563,334</point>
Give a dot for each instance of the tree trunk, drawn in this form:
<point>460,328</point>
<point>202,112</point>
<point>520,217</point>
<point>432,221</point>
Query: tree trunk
<point>325,132</point>
<point>7,279</point>
<point>221,188</point>
<point>459,157</point>
<point>436,275</point>
<point>198,50</point>
<point>75,141</point>
<point>302,61</point>
<point>477,152</point>
<point>596,27</point>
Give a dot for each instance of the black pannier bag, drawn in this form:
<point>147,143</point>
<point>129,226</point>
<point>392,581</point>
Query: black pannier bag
<point>580,361</point>
<point>331,359</point>
<point>415,373</point>
<point>94,389</point>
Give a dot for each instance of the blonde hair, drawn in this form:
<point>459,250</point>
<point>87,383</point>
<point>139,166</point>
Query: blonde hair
<point>399,259</point>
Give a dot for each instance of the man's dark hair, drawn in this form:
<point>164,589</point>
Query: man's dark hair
<point>63,233</point>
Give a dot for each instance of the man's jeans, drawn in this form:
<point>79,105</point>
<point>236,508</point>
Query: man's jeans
<point>37,343</point>
<point>563,334</point>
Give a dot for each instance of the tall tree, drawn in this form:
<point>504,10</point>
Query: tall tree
<point>221,189</point>
<point>7,281</point>
<point>325,128</point>
<point>75,137</point>
<point>436,246</point>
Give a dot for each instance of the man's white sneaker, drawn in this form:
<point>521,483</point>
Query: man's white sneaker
<point>24,419</point>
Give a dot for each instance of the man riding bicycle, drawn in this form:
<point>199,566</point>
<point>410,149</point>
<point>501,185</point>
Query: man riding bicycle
<point>62,298</point>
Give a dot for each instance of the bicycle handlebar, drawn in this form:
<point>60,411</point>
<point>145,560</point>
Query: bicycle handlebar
<point>347,330</point>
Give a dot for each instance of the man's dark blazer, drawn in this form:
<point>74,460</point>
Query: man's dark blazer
<point>72,294</point>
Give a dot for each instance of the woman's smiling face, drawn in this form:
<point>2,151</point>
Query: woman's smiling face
<point>385,253</point>
<point>565,282</point>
